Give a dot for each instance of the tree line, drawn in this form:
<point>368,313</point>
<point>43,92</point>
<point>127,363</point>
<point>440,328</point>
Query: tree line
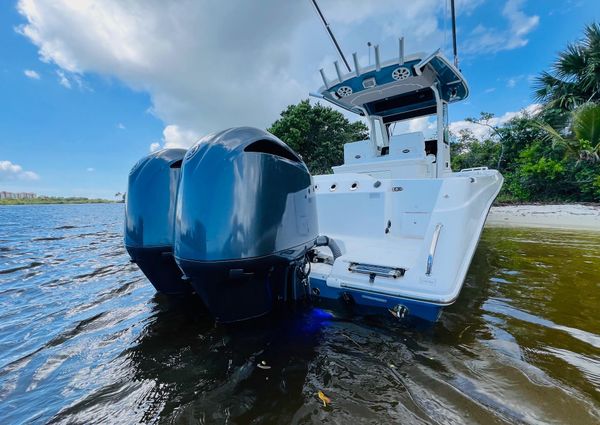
<point>552,155</point>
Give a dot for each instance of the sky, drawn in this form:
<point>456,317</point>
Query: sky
<point>88,87</point>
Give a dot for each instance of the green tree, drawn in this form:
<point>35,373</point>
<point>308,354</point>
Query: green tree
<point>582,138</point>
<point>517,135</point>
<point>575,76</point>
<point>533,169</point>
<point>504,143</point>
<point>568,168</point>
<point>318,133</point>
<point>467,151</point>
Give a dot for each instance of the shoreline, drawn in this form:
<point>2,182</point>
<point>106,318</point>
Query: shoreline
<point>21,204</point>
<point>548,216</point>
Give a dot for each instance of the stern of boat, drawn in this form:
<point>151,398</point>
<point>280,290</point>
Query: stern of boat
<point>406,243</point>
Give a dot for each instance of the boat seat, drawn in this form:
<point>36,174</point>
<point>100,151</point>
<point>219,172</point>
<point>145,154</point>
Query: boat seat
<point>406,158</point>
<point>357,152</point>
<point>407,146</point>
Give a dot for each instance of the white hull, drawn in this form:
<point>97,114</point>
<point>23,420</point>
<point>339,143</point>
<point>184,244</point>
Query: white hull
<point>357,212</point>
<point>406,225</point>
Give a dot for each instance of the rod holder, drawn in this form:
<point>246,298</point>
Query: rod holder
<point>337,70</point>
<point>325,81</point>
<point>401,50</point>
<point>356,64</point>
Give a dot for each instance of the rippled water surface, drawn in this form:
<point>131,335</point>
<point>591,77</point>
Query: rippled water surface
<point>85,339</point>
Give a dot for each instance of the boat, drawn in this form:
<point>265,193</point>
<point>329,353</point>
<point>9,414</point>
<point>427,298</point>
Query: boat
<point>407,225</point>
<point>239,221</point>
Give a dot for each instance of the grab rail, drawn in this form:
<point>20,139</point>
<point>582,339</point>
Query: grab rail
<point>434,241</point>
<point>474,169</point>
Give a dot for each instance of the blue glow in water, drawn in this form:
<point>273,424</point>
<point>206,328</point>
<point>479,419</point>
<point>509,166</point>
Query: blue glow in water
<point>320,314</point>
<point>316,320</point>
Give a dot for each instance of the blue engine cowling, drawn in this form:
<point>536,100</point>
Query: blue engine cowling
<point>150,219</point>
<point>246,217</point>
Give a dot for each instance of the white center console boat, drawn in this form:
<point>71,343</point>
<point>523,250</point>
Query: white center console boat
<point>405,224</point>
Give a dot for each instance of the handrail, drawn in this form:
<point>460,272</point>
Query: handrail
<point>434,241</point>
<point>474,169</point>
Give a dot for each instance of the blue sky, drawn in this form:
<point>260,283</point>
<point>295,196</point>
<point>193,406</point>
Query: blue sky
<point>89,87</point>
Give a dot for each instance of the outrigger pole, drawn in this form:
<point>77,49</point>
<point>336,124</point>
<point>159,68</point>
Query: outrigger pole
<point>454,33</point>
<point>335,43</point>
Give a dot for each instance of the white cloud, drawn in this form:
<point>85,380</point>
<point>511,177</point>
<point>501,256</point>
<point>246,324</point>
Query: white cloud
<point>175,137</point>
<point>62,79</point>
<point>121,126</point>
<point>30,73</point>
<point>420,124</point>
<point>66,79</point>
<point>482,131</point>
<point>490,90</point>
<point>513,81</point>
<point>491,40</point>
<point>206,65</point>
<point>212,65</point>
<point>520,23</point>
<point>90,170</point>
<point>426,125</point>
<point>10,171</point>
<point>358,11</point>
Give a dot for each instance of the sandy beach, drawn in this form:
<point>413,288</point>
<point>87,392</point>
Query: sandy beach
<point>571,216</point>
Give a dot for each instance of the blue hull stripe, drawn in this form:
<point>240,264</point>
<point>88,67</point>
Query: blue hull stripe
<point>422,310</point>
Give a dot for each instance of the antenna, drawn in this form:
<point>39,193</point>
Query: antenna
<point>335,43</point>
<point>454,33</point>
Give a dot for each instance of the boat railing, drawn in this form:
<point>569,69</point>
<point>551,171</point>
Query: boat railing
<point>464,170</point>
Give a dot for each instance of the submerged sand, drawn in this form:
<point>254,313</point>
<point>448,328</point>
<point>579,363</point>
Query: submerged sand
<point>571,216</point>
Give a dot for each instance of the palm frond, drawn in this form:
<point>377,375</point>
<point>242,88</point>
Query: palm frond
<point>557,93</point>
<point>572,63</point>
<point>592,37</point>
<point>551,134</point>
<point>586,123</point>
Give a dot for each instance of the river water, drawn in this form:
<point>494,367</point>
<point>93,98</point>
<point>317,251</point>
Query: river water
<point>85,339</point>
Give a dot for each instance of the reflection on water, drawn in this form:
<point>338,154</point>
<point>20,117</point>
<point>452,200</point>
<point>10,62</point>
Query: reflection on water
<point>84,339</point>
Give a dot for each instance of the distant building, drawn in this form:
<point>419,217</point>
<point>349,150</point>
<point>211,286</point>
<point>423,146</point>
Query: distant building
<point>17,195</point>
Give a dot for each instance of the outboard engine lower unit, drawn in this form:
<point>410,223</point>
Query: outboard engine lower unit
<point>150,219</point>
<point>246,217</point>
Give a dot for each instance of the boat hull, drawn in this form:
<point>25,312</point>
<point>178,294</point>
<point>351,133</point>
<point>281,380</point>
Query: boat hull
<point>406,244</point>
<point>374,301</point>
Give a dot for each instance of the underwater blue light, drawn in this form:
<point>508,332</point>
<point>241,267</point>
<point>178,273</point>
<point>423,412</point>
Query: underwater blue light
<point>318,313</point>
<point>317,319</point>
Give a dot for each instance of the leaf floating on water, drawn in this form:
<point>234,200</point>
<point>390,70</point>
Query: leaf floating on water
<point>326,400</point>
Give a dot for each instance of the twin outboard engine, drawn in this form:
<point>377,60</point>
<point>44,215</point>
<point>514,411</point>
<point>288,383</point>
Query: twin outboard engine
<point>150,219</point>
<point>245,221</point>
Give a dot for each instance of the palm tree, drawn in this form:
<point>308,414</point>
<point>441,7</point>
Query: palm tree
<point>575,76</point>
<point>582,137</point>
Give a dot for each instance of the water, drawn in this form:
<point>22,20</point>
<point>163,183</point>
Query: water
<point>84,339</point>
